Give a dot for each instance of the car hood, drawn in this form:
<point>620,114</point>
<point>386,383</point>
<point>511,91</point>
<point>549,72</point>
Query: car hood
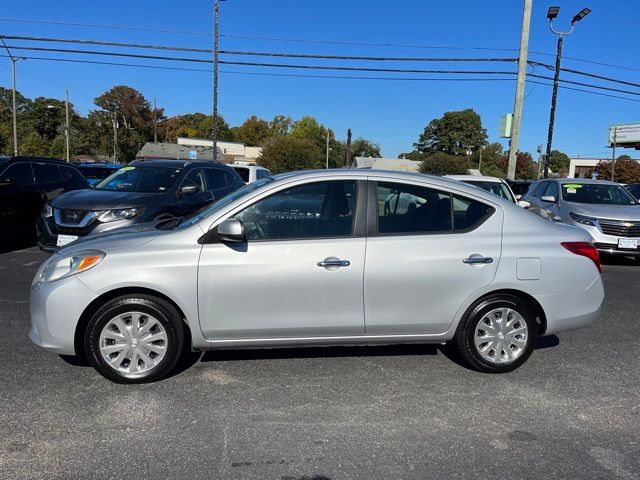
<point>103,199</point>
<point>125,237</point>
<point>611,212</point>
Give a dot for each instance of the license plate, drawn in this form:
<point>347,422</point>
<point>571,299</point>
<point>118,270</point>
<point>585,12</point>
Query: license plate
<point>64,239</point>
<point>628,243</point>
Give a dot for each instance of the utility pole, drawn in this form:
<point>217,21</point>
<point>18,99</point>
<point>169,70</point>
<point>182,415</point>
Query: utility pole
<point>216,21</point>
<point>67,127</point>
<point>480,160</point>
<point>15,113</point>
<point>348,160</point>
<point>327,160</point>
<point>115,137</point>
<point>613,155</point>
<point>551,15</point>
<point>155,123</point>
<point>520,84</point>
<point>539,150</point>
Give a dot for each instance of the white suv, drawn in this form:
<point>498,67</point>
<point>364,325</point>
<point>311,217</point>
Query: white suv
<point>250,173</point>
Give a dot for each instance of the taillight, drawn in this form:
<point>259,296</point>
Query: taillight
<point>585,249</point>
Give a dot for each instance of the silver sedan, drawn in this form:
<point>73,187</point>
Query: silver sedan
<point>320,258</point>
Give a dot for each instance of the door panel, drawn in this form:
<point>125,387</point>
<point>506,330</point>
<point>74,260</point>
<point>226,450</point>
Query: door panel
<point>276,289</point>
<point>415,283</point>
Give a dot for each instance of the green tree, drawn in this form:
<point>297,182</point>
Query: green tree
<point>559,162</point>
<point>133,116</point>
<point>455,133</point>
<point>362,147</point>
<point>414,155</point>
<point>253,132</point>
<point>441,163</point>
<point>526,169</point>
<point>308,127</point>
<point>285,154</point>
<point>193,125</point>
<point>626,170</point>
<point>34,145</point>
<point>281,125</point>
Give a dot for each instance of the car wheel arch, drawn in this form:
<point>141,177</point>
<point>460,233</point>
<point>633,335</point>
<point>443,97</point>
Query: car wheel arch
<point>96,304</point>
<point>541,317</point>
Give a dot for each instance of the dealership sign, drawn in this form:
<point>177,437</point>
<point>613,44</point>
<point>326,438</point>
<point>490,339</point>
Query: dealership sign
<point>625,134</point>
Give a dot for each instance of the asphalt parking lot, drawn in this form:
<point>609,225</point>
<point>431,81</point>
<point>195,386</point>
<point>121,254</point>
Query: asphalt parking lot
<point>403,412</point>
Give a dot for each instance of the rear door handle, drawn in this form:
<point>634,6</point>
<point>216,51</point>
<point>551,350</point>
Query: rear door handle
<point>477,259</point>
<point>334,262</point>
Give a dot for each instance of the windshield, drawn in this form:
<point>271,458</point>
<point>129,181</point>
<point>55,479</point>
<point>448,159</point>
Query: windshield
<point>140,179</point>
<point>598,194</point>
<point>215,206</point>
<point>499,189</point>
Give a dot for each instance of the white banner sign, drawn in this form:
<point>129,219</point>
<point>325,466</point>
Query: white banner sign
<point>625,133</point>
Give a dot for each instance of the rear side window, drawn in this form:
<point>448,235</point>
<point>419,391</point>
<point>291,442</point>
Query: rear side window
<point>415,209</point>
<point>46,173</point>
<point>230,177</point>
<point>243,172</point>
<point>216,178</point>
<point>20,173</point>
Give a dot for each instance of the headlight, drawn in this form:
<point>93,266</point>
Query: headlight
<point>123,214</point>
<point>583,220</point>
<point>47,211</point>
<point>58,267</point>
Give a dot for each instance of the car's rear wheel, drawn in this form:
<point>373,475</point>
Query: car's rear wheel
<point>498,334</point>
<point>134,339</point>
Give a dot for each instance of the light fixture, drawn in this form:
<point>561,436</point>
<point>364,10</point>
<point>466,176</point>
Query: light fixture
<point>553,12</point>
<point>580,15</point>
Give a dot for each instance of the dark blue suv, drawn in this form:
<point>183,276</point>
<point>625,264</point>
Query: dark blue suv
<point>142,191</point>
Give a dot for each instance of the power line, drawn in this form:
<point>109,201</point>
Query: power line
<point>585,91</point>
<point>587,74</point>
<point>599,87</point>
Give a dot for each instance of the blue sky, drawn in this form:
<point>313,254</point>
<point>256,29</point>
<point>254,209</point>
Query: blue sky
<point>391,113</point>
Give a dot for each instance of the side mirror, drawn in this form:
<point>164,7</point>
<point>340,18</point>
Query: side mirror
<point>8,182</point>
<point>549,198</point>
<point>524,204</point>
<point>518,197</point>
<point>231,230</point>
<point>189,189</point>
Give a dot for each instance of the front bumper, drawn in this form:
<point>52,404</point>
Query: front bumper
<point>608,243</point>
<point>571,310</point>
<point>48,231</point>
<point>55,308</point>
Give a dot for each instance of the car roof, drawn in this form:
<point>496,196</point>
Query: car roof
<point>99,165</point>
<point>475,178</point>
<point>581,180</point>
<point>56,161</point>
<point>177,163</point>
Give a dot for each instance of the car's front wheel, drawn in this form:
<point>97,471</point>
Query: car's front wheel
<point>498,334</point>
<point>134,339</point>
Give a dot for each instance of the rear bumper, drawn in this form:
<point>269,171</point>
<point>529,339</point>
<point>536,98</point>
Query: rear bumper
<point>569,311</point>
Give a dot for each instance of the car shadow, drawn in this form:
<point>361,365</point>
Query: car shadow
<point>14,243</point>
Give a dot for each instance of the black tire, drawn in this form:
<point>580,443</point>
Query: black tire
<point>464,339</point>
<point>161,311</point>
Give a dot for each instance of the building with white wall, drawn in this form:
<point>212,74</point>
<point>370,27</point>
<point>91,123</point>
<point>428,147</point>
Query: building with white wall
<point>232,151</point>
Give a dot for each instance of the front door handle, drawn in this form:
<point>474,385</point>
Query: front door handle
<point>333,262</point>
<point>477,260</point>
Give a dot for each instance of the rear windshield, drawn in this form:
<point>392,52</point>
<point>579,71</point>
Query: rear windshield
<point>499,189</point>
<point>243,172</point>
<point>140,179</point>
<point>594,193</point>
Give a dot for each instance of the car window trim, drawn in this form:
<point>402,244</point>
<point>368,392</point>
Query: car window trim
<point>222,172</point>
<point>359,220</point>
<point>28,164</point>
<point>372,212</point>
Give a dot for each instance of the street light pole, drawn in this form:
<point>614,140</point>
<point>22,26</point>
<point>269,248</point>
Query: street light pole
<point>551,15</point>
<point>216,20</point>
<point>115,136</point>
<point>15,113</point>
<point>613,155</point>
<point>327,158</point>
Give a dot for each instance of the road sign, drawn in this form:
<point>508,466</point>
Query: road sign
<point>506,121</point>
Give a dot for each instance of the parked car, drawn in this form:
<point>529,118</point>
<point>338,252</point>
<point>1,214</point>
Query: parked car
<point>634,189</point>
<point>250,173</point>
<point>495,185</point>
<point>312,258</point>
<point>519,187</point>
<point>143,191</point>
<point>605,209</point>
<point>26,184</point>
<point>96,172</point>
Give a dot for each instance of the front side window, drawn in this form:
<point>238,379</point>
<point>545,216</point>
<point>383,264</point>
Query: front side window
<point>140,179</point>
<point>216,178</point>
<point>196,178</point>
<point>46,173</point>
<point>20,173</point>
<point>541,187</point>
<point>314,210</point>
<point>552,190</point>
<point>413,209</point>
<point>598,194</point>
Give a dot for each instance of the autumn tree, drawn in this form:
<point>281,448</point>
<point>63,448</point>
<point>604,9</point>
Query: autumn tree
<point>627,170</point>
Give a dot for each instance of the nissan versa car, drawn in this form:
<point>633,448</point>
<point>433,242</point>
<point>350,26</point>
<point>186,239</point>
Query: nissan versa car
<point>605,209</point>
<point>140,192</point>
<point>315,258</point>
